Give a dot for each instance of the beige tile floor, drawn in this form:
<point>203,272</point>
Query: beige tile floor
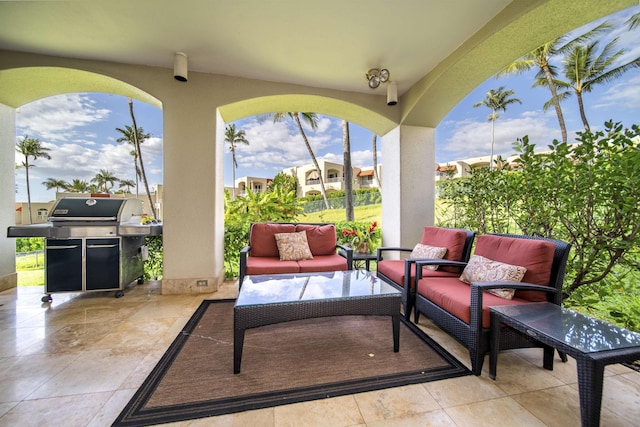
<point>78,360</point>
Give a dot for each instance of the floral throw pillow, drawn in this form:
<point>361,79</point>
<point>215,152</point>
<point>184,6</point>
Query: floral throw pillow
<point>293,246</point>
<point>429,252</point>
<point>481,269</point>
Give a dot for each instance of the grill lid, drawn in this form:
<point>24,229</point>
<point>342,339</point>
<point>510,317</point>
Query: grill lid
<point>95,209</point>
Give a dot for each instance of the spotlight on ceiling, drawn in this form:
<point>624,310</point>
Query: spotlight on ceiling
<point>180,69</point>
<point>377,76</point>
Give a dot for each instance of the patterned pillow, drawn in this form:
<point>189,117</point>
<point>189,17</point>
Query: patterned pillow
<point>293,246</point>
<point>481,269</point>
<point>429,252</point>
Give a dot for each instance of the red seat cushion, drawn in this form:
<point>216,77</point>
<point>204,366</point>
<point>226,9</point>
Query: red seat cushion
<point>321,238</point>
<point>394,270</point>
<point>454,296</point>
<point>450,238</point>
<point>263,241</point>
<point>323,263</point>
<point>535,255</point>
<point>270,265</point>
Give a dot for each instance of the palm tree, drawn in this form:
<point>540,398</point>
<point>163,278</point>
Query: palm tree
<point>540,58</point>
<point>234,138</point>
<point>31,147</point>
<point>374,150</point>
<point>348,172</point>
<point>496,100</point>
<point>312,120</point>
<point>633,21</point>
<point>58,184</point>
<point>104,180</point>
<point>78,186</point>
<point>584,68</point>
<point>136,136</point>
<point>127,136</point>
<point>127,184</point>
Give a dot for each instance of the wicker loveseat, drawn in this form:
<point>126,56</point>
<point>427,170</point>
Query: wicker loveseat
<point>401,273</point>
<point>262,255</point>
<point>461,309</point>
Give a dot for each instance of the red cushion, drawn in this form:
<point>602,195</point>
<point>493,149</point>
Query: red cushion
<point>321,238</point>
<point>269,265</point>
<point>450,238</point>
<point>323,263</point>
<point>535,255</point>
<point>262,240</point>
<point>394,270</point>
<point>454,296</point>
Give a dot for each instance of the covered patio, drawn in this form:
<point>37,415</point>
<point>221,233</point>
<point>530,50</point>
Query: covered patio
<point>248,58</point>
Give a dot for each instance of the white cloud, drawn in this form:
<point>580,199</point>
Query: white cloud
<point>470,138</point>
<point>59,118</point>
<point>625,93</point>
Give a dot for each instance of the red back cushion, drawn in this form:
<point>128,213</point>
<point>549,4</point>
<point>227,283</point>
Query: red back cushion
<point>262,239</point>
<point>449,238</point>
<point>535,255</point>
<point>321,238</point>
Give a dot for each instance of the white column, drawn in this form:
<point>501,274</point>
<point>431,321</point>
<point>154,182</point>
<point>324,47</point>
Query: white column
<point>408,184</point>
<point>8,275</point>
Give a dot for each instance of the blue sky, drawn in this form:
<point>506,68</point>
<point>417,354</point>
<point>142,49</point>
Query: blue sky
<point>80,129</point>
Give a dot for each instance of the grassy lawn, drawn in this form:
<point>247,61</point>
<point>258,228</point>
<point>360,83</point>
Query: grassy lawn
<point>361,213</point>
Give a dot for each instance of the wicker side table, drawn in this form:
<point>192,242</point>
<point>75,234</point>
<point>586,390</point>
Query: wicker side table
<point>593,343</point>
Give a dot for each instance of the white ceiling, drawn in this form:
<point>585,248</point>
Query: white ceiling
<point>325,43</point>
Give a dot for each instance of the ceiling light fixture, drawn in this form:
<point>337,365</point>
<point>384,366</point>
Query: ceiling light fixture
<point>392,93</point>
<point>377,76</point>
<point>180,69</point>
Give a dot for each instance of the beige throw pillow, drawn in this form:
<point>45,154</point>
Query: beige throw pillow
<point>293,246</point>
<point>481,269</point>
<point>429,252</point>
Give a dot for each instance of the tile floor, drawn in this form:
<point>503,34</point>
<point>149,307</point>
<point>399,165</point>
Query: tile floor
<point>78,360</point>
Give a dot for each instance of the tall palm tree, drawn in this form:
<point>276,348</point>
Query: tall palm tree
<point>374,150</point>
<point>348,172</point>
<point>633,21</point>
<point>312,120</point>
<point>78,186</point>
<point>540,58</point>
<point>496,100</point>
<point>31,147</point>
<point>585,68</point>
<point>136,136</point>
<point>127,184</point>
<point>58,184</point>
<point>234,137</point>
<point>104,180</point>
<point>128,137</point>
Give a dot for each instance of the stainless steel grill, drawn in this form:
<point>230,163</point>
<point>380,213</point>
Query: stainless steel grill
<point>92,244</point>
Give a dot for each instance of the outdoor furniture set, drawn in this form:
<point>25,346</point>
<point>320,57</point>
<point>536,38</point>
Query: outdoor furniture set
<point>482,299</point>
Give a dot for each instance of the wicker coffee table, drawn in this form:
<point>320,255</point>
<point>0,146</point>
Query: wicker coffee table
<point>593,343</point>
<point>269,299</point>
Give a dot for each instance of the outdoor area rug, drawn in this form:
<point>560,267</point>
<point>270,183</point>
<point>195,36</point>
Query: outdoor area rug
<point>284,363</point>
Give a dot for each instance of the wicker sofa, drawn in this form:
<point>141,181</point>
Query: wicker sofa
<point>401,273</point>
<point>462,309</point>
<point>262,255</point>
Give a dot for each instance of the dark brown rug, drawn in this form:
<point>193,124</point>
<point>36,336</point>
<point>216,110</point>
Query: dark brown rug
<point>283,363</point>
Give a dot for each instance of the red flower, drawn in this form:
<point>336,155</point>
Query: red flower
<point>373,226</point>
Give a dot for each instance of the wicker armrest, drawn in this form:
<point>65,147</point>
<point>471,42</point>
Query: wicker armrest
<point>390,248</point>
<point>346,252</point>
<point>435,261</point>
<point>521,286</point>
<point>244,252</point>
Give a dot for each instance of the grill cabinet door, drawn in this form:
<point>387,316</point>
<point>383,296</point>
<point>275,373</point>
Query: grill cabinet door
<point>102,264</point>
<point>64,265</point>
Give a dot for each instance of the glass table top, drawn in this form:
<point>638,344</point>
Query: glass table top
<point>581,332</point>
<point>311,286</point>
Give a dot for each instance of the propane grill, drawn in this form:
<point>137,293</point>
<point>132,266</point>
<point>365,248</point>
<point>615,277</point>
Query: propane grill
<point>92,244</point>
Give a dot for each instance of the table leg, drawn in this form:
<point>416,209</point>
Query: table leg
<point>590,381</point>
<point>238,342</point>
<point>548,357</point>
<point>395,319</point>
<point>494,345</point>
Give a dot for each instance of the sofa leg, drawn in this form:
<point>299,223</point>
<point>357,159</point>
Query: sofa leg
<point>477,360</point>
<point>416,316</point>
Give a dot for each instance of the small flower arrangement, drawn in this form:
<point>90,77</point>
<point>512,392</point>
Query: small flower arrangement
<point>362,240</point>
